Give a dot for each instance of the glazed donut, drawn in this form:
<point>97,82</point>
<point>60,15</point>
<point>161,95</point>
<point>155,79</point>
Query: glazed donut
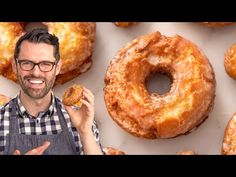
<point>10,33</point>
<point>72,95</point>
<point>124,24</point>
<point>230,61</point>
<point>229,141</point>
<point>62,78</point>
<point>76,47</point>
<point>216,24</point>
<point>188,152</point>
<point>150,115</point>
<point>112,151</point>
<point>4,99</point>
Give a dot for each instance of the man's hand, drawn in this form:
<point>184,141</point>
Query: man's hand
<point>36,151</point>
<point>82,119</point>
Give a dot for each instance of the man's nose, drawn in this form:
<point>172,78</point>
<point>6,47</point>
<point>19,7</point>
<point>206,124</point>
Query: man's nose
<point>36,71</point>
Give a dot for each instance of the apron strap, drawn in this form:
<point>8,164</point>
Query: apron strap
<point>62,119</point>
<point>64,126</point>
<point>13,126</point>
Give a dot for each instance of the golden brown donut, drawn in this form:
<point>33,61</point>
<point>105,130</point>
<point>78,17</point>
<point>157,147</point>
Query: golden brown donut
<point>124,24</point>
<point>4,99</point>
<point>76,42</point>
<point>10,33</point>
<point>62,78</point>
<point>188,152</point>
<point>229,141</point>
<point>76,47</point>
<point>112,151</point>
<point>216,24</point>
<point>9,74</point>
<point>230,61</point>
<point>150,115</point>
<point>72,95</point>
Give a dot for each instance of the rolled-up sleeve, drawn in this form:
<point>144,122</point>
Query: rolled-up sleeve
<point>95,130</point>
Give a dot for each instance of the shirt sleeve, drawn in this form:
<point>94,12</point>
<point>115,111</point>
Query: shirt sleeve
<point>4,127</point>
<point>95,131</point>
<point>79,146</point>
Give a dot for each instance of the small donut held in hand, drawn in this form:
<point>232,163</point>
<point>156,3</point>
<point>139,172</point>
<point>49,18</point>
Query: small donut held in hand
<point>73,95</point>
<point>83,118</point>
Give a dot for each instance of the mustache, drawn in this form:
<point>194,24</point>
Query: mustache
<point>33,77</point>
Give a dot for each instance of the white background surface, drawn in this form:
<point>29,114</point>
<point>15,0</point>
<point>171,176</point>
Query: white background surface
<point>207,139</point>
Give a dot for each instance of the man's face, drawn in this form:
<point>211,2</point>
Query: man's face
<point>36,83</point>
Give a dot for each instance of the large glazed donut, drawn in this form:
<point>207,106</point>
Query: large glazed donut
<point>124,24</point>
<point>230,61</point>
<point>112,151</point>
<point>3,99</point>
<point>229,142</point>
<point>216,24</point>
<point>151,115</point>
<point>187,152</point>
<point>76,47</point>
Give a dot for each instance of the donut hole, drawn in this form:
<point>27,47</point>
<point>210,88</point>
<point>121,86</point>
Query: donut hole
<point>159,83</point>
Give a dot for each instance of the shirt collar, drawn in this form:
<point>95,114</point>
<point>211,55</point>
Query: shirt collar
<point>23,112</point>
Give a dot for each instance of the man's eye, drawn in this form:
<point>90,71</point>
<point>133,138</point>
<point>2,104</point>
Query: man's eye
<point>26,63</point>
<point>46,64</point>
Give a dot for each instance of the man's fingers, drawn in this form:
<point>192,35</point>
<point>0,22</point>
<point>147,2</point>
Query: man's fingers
<point>42,148</point>
<point>89,98</point>
<point>69,109</point>
<point>88,92</point>
<point>39,150</point>
<point>36,151</point>
<point>85,89</point>
<point>86,103</point>
<point>31,152</point>
<point>17,152</point>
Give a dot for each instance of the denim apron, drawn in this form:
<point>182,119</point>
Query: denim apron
<point>60,144</point>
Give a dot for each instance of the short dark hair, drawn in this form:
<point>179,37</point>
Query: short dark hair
<point>39,35</point>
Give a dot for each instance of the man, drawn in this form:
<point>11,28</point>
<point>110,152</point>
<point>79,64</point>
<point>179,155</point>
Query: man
<point>35,122</point>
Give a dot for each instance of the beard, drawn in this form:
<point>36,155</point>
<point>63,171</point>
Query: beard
<point>36,93</point>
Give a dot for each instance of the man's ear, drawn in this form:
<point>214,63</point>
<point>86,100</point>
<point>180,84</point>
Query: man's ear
<point>58,67</point>
<point>13,64</point>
